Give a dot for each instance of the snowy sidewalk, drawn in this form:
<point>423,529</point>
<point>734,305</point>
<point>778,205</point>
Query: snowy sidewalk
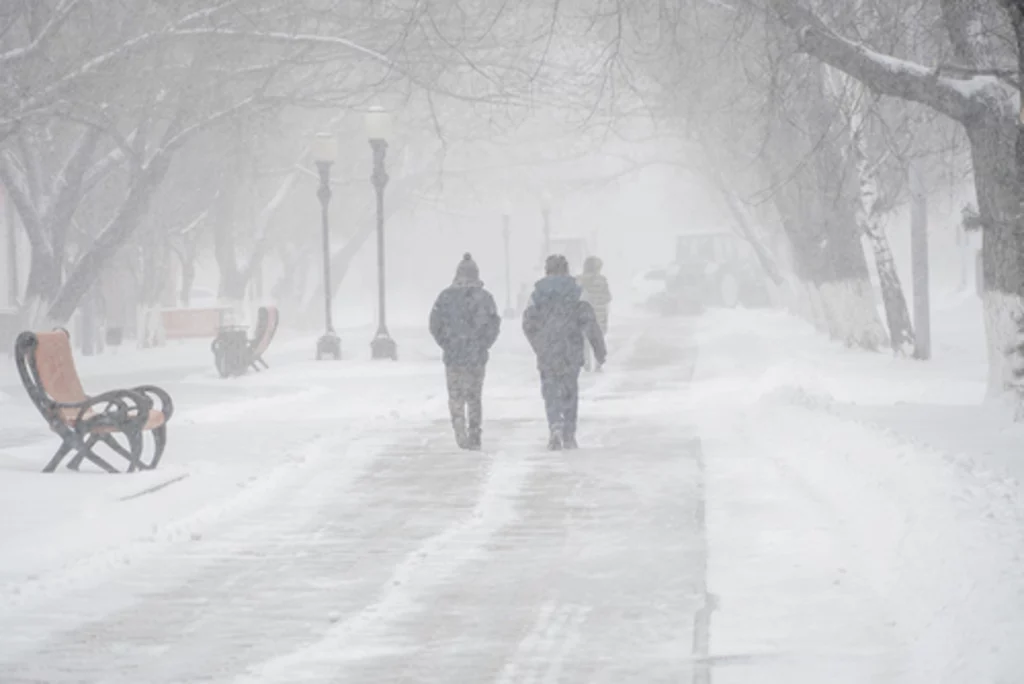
<point>382,553</point>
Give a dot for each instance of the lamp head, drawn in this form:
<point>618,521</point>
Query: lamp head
<point>324,148</point>
<point>378,123</point>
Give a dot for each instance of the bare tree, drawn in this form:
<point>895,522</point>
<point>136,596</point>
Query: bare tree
<point>975,92</point>
<point>74,67</point>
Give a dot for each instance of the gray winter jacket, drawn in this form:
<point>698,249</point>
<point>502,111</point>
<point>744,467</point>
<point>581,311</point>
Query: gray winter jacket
<point>465,323</point>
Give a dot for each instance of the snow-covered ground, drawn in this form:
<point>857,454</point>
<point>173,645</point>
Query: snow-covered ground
<point>859,528</point>
<point>752,504</point>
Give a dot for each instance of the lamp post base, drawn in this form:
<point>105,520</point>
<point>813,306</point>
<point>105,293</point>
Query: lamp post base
<point>383,347</point>
<point>328,346</point>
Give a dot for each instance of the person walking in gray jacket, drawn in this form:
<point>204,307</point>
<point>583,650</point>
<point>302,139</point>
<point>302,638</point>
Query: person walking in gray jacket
<point>465,324</point>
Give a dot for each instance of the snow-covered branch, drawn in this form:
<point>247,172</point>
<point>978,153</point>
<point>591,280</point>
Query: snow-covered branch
<point>887,75</point>
<point>176,138</point>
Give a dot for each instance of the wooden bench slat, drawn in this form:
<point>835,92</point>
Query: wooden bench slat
<point>56,365</point>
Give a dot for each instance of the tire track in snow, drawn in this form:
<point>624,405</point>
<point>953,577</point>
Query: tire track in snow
<point>540,656</point>
<point>437,558</point>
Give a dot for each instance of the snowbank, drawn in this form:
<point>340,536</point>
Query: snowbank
<point>835,539</point>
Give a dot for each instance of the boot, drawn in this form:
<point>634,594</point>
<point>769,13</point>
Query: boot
<point>569,442</point>
<point>461,438</point>
<point>555,440</point>
<point>474,441</point>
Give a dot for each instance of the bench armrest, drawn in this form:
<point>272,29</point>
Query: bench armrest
<point>114,409</point>
<point>166,405</point>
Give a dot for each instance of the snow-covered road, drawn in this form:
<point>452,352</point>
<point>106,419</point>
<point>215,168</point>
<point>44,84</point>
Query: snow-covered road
<point>316,524</point>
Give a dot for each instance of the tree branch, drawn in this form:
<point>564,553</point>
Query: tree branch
<point>23,203</point>
<point>884,74</point>
<point>60,15</point>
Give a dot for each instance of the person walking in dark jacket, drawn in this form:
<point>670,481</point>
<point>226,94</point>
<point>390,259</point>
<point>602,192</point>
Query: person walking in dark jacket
<point>465,324</point>
<point>556,322</point>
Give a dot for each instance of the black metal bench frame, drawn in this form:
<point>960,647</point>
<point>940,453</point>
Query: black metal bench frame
<point>96,419</point>
<point>236,362</point>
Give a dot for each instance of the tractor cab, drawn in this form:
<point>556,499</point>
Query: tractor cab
<point>722,266</point>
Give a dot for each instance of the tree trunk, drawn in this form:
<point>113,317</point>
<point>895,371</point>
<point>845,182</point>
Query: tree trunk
<point>1015,8</point>
<point>188,278</point>
<point>340,261</point>
<point>110,240</point>
<point>746,229</point>
<point>897,315</point>
<point>987,112</point>
<point>813,194</point>
<point>235,275</point>
<point>852,99</point>
<point>232,284</point>
<point>997,191</point>
<point>816,215</point>
<point>43,282</point>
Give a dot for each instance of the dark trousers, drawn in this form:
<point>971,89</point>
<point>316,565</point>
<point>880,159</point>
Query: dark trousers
<point>561,392</point>
<point>465,398</point>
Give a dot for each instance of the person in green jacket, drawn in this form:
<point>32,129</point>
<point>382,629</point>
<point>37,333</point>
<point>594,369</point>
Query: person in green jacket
<point>597,294</point>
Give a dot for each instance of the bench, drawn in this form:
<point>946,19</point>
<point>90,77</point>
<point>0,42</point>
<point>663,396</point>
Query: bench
<point>234,353</point>
<point>47,369</point>
<point>180,324</point>
<point>266,327</point>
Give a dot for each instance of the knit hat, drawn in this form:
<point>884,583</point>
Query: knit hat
<point>467,269</point>
<point>556,264</point>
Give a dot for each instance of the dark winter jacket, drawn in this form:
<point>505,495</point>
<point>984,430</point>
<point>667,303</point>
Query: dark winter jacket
<point>465,323</point>
<point>556,321</point>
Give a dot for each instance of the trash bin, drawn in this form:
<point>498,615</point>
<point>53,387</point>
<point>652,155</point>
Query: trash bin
<point>115,336</point>
<point>231,350</point>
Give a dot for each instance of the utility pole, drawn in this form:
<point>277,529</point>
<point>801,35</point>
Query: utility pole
<point>919,265</point>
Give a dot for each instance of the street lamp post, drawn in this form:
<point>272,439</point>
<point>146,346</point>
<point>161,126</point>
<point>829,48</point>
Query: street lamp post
<point>378,128</point>
<point>324,153</point>
<point>545,208</point>
<point>506,237</point>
